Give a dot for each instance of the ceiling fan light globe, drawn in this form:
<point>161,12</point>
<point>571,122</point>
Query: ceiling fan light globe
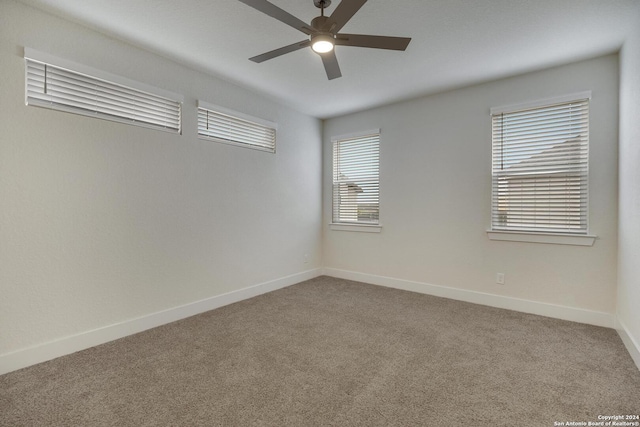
<point>322,43</point>
<point>322,46</point>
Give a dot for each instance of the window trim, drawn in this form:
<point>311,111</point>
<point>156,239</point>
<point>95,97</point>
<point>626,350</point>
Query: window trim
<point>242,116</point>
<point>94,73</point>
<point>540,103</point>
<point>585,238</point>
<point>541,237</point>
<point>356,226</point>
<point>352,226</point>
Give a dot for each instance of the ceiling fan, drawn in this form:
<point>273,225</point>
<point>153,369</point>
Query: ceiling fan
<point>323,33</point>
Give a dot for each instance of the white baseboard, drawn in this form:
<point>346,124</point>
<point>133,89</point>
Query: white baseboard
<point>633,347</point>
<point>533,307</point>
<point>41,353</point>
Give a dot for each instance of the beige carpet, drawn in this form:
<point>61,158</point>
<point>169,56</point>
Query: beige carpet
<point>339,353</point>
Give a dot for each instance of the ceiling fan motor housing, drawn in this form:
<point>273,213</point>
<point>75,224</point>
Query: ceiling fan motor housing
<point>319,23</point>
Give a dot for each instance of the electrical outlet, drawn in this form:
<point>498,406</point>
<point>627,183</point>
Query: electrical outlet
<point>500,278</point>
<point>306,258</point>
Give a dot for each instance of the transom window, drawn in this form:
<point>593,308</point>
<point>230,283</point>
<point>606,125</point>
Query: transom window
<point>231,127</point>
<point>65,86</point>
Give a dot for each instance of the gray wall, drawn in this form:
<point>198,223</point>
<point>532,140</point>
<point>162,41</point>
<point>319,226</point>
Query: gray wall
<point>435,193</point>
<point>629,249</point>
<point>102,222</point>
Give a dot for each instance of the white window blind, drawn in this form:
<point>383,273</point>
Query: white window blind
<point>62,89</point>
<point>235,128</point>
<point>540,168</point>
<point>356,180</point>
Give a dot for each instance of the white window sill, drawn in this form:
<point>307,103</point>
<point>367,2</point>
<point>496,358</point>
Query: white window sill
<point>550,238</point>
<point>362,228</point>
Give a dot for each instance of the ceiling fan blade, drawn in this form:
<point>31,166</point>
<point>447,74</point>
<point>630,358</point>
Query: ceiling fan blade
<point>331,65</point>
<point>376,42</point>
<point>343,13</point>
<point>278,52</point>
<point>275,12</point>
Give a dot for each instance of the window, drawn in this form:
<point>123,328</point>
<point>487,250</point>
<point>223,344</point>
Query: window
<point>78,89</point>
<point>356,180</point>
<point>230,127</point>
<point>540,167</point>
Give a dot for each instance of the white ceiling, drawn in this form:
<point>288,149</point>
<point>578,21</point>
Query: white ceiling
<point>455,43</point>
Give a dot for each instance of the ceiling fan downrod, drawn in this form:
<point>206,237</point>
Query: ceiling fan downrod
<point>321,4</point>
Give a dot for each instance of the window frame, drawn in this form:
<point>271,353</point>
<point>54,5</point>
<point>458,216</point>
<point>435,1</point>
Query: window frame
<point>203,105</point>
<point>356,226</point>
<point>582,238</point>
